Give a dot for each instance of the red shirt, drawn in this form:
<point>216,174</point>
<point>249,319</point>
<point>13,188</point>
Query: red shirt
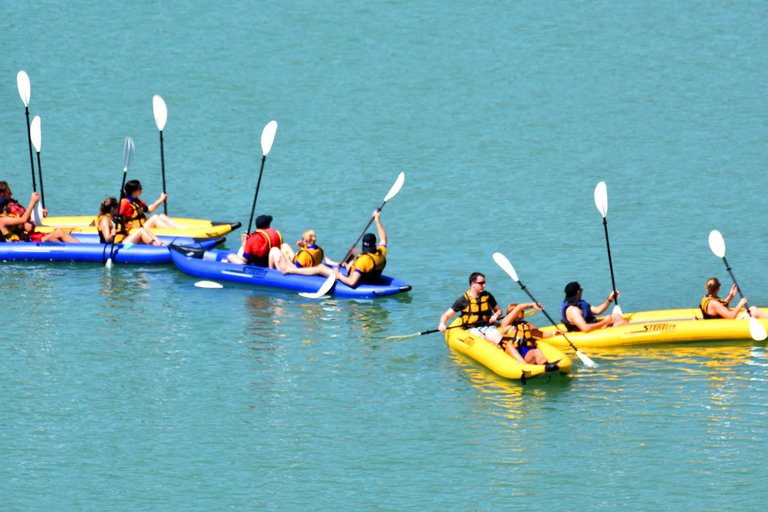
<point>257,245</point>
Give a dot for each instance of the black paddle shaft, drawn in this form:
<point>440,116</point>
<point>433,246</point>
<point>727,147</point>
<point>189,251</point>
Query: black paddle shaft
<point>162,168</point>
<point>40,175</point>
<point>610,263</point>
<point>31,158</point>
<point>546,314</point>
<point>258,184</point>
<point>352,249</point>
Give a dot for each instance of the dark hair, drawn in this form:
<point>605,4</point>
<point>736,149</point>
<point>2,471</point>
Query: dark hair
<point>4,187</point>
<point>473,277</point>
<point>131,187</point>
<point>107,205</point>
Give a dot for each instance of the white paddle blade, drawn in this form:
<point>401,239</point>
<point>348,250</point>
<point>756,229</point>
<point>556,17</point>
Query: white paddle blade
<point>208,284</point>
<point>756,329</point>
<point>161,112</point>
<point>35,134</point>
<point>396,187</point>
<point>268,137</point>
<point>108,264</point>
<point>327,285</point>
<point>505,265</point>
<point>22,82</point>
<point>587,361</point>
<point>128,153</point>
<point>717,244</point>
<point>617,310</point>
<point>601,198</point>
<point>37,214</point>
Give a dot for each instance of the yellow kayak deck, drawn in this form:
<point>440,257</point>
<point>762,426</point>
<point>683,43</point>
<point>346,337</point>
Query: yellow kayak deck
<point>90,220</point>
<point>663,326</point>
<point>196,229</point>
<point>499,361</point>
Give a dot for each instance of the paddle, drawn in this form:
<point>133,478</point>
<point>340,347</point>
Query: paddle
<point>601,201</point>
<point>267,138</point>
<point>161,116</point>
<point>208,284</point>
<point>427,332</point>
<point>35,136</point>
<point>717,244</point>
<point>332,278</point>
<point>128,150</point>
<point>25,91</point>
<point>507,267</point>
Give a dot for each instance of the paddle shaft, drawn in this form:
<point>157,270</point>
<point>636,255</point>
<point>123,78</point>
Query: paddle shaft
<point>522,286</point>
<point>162,168</point>
<point>258,184</point>
<point>610,262</point>
<point>40,175</point>
<point>117,217</point>
<point>738,288</point>
<point>31,157</point>
<point>352,249</point>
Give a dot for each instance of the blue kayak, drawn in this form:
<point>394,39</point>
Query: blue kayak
<point>210,265</point>
<point>96,252</point>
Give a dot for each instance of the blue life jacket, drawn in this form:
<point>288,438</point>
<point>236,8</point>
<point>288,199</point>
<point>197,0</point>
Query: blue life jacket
<point>586,312</point>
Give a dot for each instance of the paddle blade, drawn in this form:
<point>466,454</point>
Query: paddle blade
<point>327,285</point>
<point>617,310</point>
<point>37,214</point>
<point>22,82</point>
<point>161,112</point>
<point>756,329</point>
<point>35,134</point>
<point>128,153</point>
<point>717,244</point>
<point>396,187</point>
<point>208,284</point>
<point>268,137</point>
<point>505,265</point>
<point>601,198</point>
<point>587,361</point>
<point>403,337</point>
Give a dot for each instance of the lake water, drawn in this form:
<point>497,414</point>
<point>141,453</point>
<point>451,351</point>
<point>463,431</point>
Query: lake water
<point>132,389</point>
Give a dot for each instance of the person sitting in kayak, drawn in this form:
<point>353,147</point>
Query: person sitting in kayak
<point>479,311</point>
<point>15,208</point>
<point>306,261</point>
<point>108,232</point>
<point>19,228</point>
<point>368,266</point>
<point>133,210</point>
<point>578,315</point>
<point>714,307</point>
<point>257,246</point>
<point>518,337</point>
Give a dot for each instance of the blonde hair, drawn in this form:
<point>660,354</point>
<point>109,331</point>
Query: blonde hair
<point>712,285</point>
<point>309,237</point>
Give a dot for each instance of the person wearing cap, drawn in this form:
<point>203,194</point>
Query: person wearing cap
<point>714,307</point>
<point>479,311</point>
<point>257,246</point>
<point>19,228</point>
<point>578,315</point>
<point>368,266</point>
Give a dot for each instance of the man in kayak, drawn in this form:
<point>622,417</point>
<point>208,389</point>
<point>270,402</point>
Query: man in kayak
<point>256,247</point>
<point>368,266</point>
<point>578,315</point>
<point>479,311</point>
<point>714,307</point>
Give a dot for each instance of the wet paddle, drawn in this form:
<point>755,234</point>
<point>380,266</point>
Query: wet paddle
<point>328,284</point>
<point>601,201</point>
<point>161,116</point>
<point>128,150</point>
<point>717,244</point>
<point>507,267</point>
<point>35,136</point>
<point>267,138</point>
<point>25,91</point>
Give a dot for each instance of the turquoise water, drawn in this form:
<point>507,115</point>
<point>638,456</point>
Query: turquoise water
<point>132,389</point>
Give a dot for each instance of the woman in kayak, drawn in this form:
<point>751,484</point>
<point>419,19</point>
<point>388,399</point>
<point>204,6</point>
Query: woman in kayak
<point>308,261</point>
<point>19,228</point>
<point>714,307</point>
<point>133,210</point>
<point>519,337</point>
<point>108,232</point>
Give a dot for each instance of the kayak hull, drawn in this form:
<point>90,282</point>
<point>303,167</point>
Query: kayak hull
<point>212,267</point>
<point>212,231</point>
<point>498,361</point>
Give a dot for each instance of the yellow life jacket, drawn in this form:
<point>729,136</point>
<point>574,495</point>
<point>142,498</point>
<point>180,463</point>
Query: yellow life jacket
<point>15,233</point>
<point>314,253</point>
<point>520,336</point>
<point>705,302</point>
<point>118,237</point>
<point>478,311</point>
<point>379,261</point>
<point>137,216</point>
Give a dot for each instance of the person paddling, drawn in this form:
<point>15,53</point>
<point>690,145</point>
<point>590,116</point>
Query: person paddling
<point>519,337</point>
<point>368,266</point>
<point>578,315</point>
<point>133,210</point>
<point>714,307</point>
<point>479,311</point>
<point>108,227</point>
<point>19,228</point>
<point>257,246</point>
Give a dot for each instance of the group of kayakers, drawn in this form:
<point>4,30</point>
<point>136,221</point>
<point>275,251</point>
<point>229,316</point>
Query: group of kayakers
<point>16,224</point>
<point>265,248</point>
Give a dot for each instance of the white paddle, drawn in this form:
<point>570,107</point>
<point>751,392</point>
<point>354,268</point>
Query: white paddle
<point>507,267</point>
<point>717,244</point>
<point>328,284</point>
<point>161,116</point>
<point>128,150</point>
<point>601,201</point>
<point>208,284</point>
<point>25,91</point>
<point>35,136</point>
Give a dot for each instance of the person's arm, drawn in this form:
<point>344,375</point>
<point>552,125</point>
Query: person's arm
<point>513,314</point>
<point>157,203</point>
<point>15,221</point>
<point>236,258</point>
<point>107,229</point>
<point>715,308</point>
<point>732,294</point>
<point>351,279</point>
<point>549,334</point>
<point>380,228</point>
<point>574,316</point>
<point>596,310</point>
<point>444,318</point>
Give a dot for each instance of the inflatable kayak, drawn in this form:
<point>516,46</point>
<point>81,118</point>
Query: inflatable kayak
<point>664,326</point>
<point>210,265</point>
<point>498,361</point>
<point>215,229</point>
<point>90,220</point>
<point>95,252</point>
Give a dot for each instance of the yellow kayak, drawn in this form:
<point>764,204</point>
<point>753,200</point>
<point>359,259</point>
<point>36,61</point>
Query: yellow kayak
<point>664,326</point>
<point>90,220</point>
<point>499,361</point>
<point>212,230</point>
